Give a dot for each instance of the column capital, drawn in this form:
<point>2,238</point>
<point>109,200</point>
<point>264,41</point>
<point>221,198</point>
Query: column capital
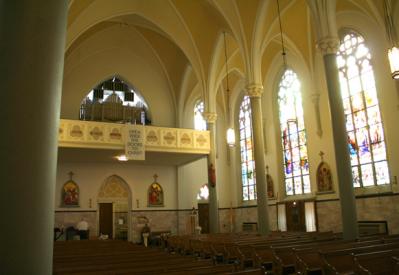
<point>254,90</point>
<point>328,45</point>
<point>210,117</point>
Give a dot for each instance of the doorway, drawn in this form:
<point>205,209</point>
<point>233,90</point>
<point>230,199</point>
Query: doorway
<point>114,204</point>
<point>106,219</point>
<point>203,217</point>
<point>295,215</point>
<point>299,216</point>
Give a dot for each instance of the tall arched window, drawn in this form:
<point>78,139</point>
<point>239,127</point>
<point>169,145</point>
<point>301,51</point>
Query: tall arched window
<point>247,154</point>
<point>363,119</point>
<point>199,121</point>
<point>293,135</point>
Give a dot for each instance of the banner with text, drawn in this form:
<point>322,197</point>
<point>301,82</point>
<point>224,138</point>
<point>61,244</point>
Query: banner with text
<point>134,142</point>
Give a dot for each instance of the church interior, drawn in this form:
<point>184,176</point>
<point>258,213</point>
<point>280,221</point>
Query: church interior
<point>196,117</point>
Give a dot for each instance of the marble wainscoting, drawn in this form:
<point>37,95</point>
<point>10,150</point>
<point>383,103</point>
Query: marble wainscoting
<point>227,218</point>
<point>66,218</point>
<point>377,208</point>
<point>184,224</point>
<point>158,220</point>
<point>249,214</point>
<point>329,216</point>
<point>382,208</point>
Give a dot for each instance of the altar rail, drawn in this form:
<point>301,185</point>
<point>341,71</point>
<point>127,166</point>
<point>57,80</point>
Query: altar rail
<point>101,135</point>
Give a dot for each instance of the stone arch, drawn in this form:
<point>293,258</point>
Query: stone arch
<point>114,187</point>
<point>115,190</point>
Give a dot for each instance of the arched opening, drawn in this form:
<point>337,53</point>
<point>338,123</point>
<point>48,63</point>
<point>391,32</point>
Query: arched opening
<point>114,204</point>
<point>114,100</point>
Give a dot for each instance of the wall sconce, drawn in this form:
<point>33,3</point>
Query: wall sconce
<point>393,56</point>
<point>393,52</point>
<point>231,137</point>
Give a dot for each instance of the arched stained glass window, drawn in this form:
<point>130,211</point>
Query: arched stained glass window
<point>293,135</point>
<point>363,119</point>
<point>199,121</point>
<point>247,153</point>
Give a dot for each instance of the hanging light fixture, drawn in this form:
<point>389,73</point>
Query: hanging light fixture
<point>393,52</point>
<point>393,56</point>
<point>281,37</point>
<point>230,135</point>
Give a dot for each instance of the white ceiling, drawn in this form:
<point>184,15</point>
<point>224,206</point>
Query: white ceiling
<point>67,155</point>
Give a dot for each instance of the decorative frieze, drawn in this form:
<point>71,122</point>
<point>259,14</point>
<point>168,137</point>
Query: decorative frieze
<point>90,134</point>
<point>169,137</point>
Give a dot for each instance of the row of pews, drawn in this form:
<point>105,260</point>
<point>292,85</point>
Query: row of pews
<point>251,254</point>
<point>294,253</point>
<point>112,257</point>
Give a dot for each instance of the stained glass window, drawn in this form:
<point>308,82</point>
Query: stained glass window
<point>199,121</point>
<point>366,143</point>
<point>293,135</point>
<point>247,154</point>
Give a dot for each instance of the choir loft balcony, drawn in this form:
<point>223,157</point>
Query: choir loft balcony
<point>89,141</point>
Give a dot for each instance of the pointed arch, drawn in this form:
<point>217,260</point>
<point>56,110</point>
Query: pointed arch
<point>293,135</point>
<point>366,138</point>
<point>248,173</point>
<point>114,187</point>
<point>116,191</point>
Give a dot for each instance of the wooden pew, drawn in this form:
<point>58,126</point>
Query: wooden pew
<point>379,262</point>
<point>340,261</point>
<point>309,259</point>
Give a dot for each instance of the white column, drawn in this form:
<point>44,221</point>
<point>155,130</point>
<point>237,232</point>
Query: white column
<point>254,91</point>
<point>340,138</point>
<point>31,70</point>
<point>323,12</point>
<point>213,200</point>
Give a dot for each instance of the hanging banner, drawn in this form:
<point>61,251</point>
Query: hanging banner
<point>134,142</point>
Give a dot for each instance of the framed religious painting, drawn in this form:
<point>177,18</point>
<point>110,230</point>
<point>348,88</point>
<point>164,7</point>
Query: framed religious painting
<point>324,178</point>
<point>155,194</point>
<point>70,193</point>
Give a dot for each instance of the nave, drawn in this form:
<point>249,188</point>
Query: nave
<point>305,88</point>
<point>277,253</point>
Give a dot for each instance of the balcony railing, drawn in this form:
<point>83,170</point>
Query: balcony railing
<point>101,135</point>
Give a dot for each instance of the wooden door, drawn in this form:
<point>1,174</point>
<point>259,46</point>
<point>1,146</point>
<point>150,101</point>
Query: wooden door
<point>106,219</point>
<point>203,217</point>
<point>295,215</point>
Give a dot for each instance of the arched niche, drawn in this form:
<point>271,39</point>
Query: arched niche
<point>115,195</point>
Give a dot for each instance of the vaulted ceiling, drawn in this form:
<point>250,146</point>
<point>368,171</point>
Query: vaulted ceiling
<point>181,43</point>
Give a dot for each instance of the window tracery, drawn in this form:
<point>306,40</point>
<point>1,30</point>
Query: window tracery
<point>246,149</point>
<point>293,135</point>
<point>366,143</point>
